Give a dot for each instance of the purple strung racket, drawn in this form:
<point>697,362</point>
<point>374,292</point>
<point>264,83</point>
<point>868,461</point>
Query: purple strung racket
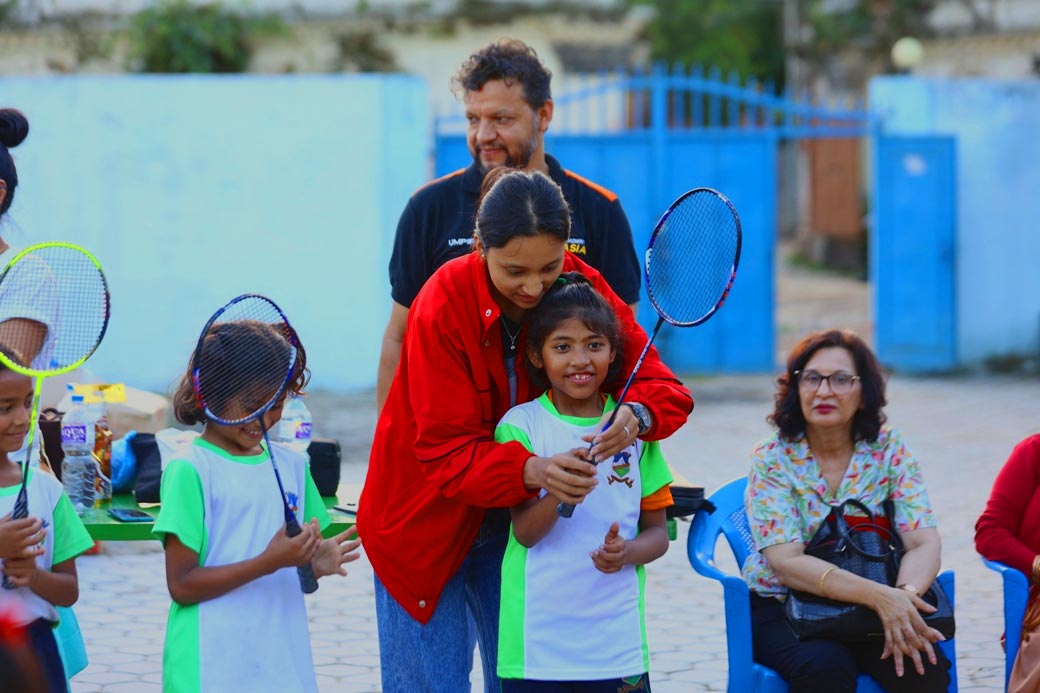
<point>244,360</point>
<point>690,266</point>
<point>54,310</point>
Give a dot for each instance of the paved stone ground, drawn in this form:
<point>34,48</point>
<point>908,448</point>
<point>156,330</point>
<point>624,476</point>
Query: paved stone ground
<point>962,429</point>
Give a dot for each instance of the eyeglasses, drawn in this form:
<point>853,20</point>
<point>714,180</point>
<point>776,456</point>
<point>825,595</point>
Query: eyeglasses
<point>839,381</point>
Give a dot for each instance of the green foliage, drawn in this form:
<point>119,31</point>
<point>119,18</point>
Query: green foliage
<point>868,26</point>
<point>7,8</point>
<point>362,51</point>
<point>176,36</point>
<point>733,35</point>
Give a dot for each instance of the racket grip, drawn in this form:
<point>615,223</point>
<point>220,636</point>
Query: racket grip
<point>20,511</point>
<point>564,510</point>
<point>308,582</point>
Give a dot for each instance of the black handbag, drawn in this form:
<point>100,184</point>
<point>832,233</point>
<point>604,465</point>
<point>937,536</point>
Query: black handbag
<point>870,551</point>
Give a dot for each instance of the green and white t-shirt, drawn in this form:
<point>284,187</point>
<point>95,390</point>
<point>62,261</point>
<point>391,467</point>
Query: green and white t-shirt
<point>65,538</point>
<point>227,508</point>
<point>562,619</point>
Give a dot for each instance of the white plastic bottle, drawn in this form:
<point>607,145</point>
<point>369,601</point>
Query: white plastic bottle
<point>295,427</point>
<point>77,442</point>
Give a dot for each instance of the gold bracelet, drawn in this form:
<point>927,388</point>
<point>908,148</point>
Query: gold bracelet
<point>823,592</point>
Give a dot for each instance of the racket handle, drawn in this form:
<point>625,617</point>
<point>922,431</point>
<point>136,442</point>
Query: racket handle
<point>308,582</point>
<point>564,510</point>
<point>20,511</point>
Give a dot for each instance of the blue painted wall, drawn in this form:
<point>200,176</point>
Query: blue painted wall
<point>191,190</point>
<point>997,128</point>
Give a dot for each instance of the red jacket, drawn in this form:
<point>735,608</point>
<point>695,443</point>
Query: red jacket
<point>434,466</point>
<point>1009,528</point>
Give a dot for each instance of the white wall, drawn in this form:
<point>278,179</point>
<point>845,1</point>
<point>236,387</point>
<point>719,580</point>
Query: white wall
<point>192,190</point>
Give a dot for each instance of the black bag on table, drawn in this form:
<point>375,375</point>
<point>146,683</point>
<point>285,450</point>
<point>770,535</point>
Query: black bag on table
<point>870,551</point>
<point>325,457</point>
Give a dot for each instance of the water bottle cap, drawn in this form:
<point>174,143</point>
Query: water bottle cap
<point>77,398</point>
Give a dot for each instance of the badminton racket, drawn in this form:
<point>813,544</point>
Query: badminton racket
<point>690,266</point>
<point>54,310</point>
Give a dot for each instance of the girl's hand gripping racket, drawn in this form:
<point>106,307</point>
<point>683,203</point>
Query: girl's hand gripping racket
<point>54,310</point>
<point>690,265</point>
<point>245,359</point>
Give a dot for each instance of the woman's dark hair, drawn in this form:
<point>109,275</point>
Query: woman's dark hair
<point>571,296</point>
<point>511,61</point>
<point>239,354</point>
<point>866,424</point>
<point>520,203</point>
<point>14,127</point>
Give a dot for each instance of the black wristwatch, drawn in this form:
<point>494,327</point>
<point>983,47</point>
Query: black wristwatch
<point>642,416</point>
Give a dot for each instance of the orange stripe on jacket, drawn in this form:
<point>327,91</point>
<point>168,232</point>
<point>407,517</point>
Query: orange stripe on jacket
<point>446,176</point>
<point>609,194</point>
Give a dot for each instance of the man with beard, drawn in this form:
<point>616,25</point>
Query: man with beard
<point>506,90</point>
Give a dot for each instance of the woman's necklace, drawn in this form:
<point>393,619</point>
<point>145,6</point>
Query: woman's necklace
<point>512,337</point>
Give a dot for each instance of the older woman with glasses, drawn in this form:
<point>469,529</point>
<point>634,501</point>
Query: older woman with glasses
<point>831,445</point>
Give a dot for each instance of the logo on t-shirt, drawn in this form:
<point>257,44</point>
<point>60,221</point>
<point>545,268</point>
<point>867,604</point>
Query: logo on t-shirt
<point>621,465</point>
<point>456,242</point>
<point>577,246</point>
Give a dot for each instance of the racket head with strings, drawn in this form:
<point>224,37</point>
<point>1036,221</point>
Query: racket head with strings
<point>692,258</point>
<point>54,312</point>
<point>62,287</point>
<point>246,357</point>
<point>690,265</point>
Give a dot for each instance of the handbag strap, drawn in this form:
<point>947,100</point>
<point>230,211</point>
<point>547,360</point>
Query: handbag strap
<point>894,543</point>
<point>890,512</point>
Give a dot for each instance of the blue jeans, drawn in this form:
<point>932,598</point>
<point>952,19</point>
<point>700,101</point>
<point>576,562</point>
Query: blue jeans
<point>437,657</point>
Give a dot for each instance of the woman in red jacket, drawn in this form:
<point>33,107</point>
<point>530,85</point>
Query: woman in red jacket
<point>432,514</point>
<point>1009,531</point>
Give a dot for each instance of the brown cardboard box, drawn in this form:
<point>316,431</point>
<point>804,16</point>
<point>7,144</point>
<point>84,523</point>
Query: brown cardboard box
<point>143,411</point>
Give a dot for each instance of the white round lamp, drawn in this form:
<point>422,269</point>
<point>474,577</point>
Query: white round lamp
<point>907,53</point>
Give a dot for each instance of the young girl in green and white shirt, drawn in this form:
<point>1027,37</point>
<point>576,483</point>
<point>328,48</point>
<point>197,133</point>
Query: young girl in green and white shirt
<point>572,605</point>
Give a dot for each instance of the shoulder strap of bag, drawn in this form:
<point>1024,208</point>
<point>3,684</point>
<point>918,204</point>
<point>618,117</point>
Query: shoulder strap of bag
<point>890,512</point>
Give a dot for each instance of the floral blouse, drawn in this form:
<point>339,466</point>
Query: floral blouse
<point>787,498</point>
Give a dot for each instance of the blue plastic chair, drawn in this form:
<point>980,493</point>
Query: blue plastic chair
<point>1016,596</point>
<point>730,520</point>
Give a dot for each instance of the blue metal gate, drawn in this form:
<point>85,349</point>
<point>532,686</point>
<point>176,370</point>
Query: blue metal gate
<point>912,253</point>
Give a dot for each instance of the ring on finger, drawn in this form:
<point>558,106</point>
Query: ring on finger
<point>627,432</point>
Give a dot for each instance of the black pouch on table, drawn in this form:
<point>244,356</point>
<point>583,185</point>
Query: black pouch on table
<point>149,468</point>
<point>325,457</point>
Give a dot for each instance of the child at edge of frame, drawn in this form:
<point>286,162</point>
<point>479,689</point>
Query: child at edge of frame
<point>572,588</point>
<point>38,553</point>
<point>238,619</point>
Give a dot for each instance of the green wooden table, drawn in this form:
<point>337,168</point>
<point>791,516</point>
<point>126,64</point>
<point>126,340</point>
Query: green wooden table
<point>104,527</point>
